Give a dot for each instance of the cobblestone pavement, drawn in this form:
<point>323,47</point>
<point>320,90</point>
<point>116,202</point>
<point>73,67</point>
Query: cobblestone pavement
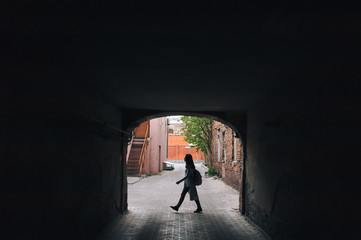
<point>150,216</point>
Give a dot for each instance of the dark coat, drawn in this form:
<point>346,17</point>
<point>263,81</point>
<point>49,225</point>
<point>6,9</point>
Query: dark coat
<point>189,182</point>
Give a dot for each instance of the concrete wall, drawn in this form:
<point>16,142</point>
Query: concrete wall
<point>301,167</point>
<point>61,171</point>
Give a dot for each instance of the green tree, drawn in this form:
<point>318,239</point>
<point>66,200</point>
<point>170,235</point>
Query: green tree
<point>198,132</point>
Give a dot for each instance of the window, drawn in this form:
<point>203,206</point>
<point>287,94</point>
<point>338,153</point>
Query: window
<point>233,146</point>
<point>234,143</point>
<point>224,146</point>
<point>218,144</point>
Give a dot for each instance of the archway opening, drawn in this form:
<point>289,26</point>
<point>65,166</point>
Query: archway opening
<point>158,145</point>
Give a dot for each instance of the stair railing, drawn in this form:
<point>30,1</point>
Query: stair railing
<point>144,150</point>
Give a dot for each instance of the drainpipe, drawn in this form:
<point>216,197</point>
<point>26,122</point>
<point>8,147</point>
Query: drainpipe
<point>167,137</point>
<point>129,147</point>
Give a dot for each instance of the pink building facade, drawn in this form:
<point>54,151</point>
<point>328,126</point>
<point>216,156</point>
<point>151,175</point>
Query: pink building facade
<point>157,146</point>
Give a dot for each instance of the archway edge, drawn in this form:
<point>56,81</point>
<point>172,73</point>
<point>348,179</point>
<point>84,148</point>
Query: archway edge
<point>236,120</point>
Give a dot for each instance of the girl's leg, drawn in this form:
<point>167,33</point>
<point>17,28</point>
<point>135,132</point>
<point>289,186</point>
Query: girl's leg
<point>183,194</point>
<point>199,207</point>
<point>181,199</point>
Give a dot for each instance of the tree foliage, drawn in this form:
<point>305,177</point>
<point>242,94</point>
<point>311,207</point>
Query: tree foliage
<point>198,132</point>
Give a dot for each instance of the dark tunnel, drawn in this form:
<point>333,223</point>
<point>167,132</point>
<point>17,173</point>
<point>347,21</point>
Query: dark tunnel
<point>76,77</point>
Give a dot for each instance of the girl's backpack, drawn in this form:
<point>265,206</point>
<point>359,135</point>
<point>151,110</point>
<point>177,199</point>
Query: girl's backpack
<point>197,177</point>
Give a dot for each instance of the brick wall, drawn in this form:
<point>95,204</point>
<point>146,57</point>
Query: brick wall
<point>178,148</point>
<point>227,166</point>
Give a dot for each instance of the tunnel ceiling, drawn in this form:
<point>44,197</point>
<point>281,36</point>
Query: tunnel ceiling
<point>204,56</point>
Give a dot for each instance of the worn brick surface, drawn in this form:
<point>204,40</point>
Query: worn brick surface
<point>227,167</point>
<point>150,216</point>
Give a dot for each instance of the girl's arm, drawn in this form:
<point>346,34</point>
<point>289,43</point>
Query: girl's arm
<point>178,182</point>
<point>187,176</point>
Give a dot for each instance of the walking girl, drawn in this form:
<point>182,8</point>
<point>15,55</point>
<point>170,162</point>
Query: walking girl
<point>189,185</point>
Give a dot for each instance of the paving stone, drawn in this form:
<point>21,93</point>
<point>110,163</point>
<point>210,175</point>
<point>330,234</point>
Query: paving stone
<point>150,217</point>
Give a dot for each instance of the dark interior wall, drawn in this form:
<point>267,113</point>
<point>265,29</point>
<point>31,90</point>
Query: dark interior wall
<point>61,171</point>
<point>293,66</point>
<point>301,166</point>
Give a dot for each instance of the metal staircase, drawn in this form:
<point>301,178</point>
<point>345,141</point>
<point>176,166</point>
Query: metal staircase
<point>137,155</point>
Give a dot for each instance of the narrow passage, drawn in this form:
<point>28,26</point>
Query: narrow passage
<point>150,216</point>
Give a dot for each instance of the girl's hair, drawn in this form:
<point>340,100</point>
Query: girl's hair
<point>189,161</point>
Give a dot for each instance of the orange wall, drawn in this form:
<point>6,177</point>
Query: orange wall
<point>141,129</point>
<point>177,149</point>
<point>176,140</point>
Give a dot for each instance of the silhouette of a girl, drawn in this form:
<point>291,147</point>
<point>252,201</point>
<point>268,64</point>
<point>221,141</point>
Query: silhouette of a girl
<point>189,185</point>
